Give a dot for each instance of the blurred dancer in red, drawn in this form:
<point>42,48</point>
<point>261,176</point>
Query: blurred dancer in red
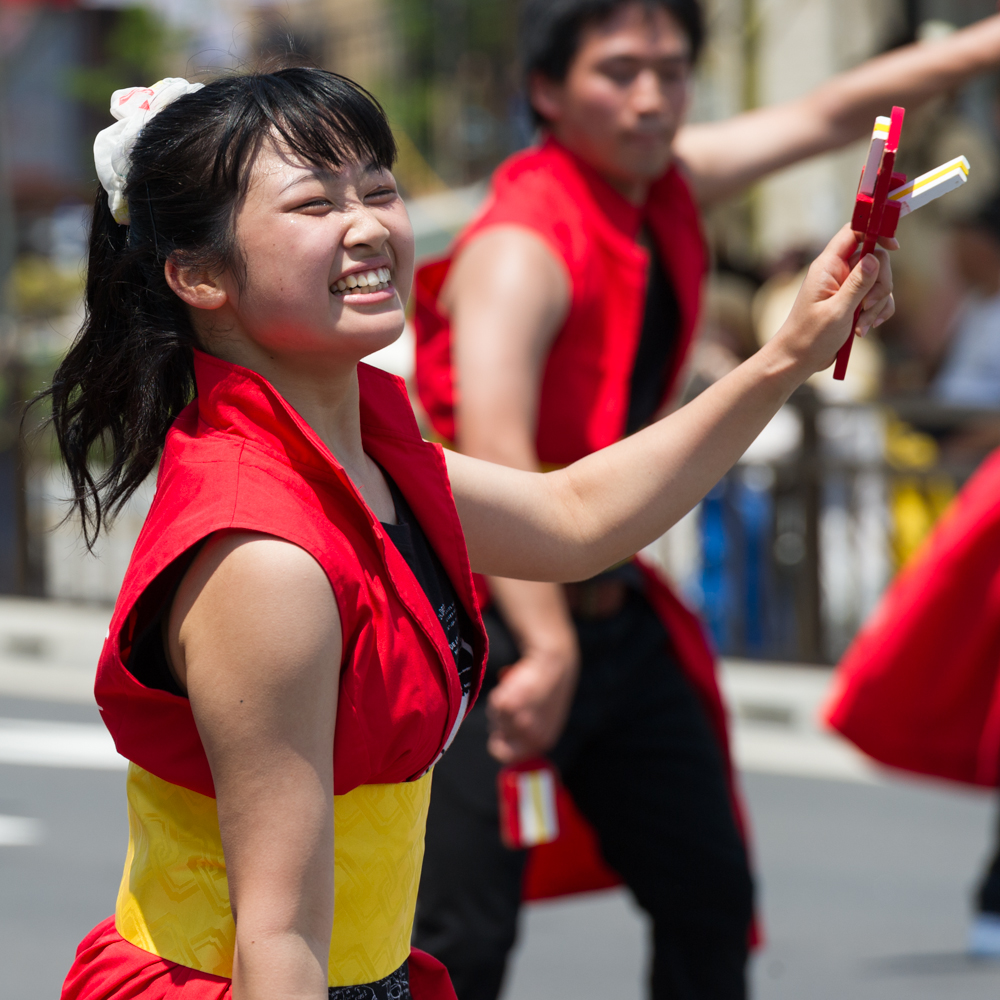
<point>918,687</point>
<point>560,322</point>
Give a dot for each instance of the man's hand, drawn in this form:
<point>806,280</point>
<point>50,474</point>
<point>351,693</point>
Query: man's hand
<point>527,710</point>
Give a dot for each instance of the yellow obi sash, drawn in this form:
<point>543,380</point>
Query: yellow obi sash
<point>174,897</point>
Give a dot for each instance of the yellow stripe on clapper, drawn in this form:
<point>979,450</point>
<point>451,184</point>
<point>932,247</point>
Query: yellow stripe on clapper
<point>174,895</point>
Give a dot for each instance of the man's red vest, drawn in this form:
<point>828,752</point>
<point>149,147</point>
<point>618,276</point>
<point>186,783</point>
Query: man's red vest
<point>586,384</point>
<point>584,399</point>
<point>919,688</point>
<point>240,458</point>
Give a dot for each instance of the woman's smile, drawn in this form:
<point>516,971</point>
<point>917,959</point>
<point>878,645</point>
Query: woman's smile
<point>362,285</point>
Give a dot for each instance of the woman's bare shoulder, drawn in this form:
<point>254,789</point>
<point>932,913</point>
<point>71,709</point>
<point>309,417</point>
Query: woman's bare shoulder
<point>254,598</point>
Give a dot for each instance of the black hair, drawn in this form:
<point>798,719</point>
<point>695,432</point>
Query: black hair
<point>550,30</point>
<point>130,370</point>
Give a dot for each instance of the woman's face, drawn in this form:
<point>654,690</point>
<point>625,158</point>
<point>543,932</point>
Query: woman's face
<point>329,259</point>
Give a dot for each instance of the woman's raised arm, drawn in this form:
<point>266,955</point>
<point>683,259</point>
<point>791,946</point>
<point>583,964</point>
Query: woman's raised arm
<point>255,636</point>
<point>572,524</point>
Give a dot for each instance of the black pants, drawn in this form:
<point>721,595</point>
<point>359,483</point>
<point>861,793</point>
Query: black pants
<point>642,764</point>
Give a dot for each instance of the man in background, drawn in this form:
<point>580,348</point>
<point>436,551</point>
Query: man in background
<point>560,322</point>
<point>970,369</point>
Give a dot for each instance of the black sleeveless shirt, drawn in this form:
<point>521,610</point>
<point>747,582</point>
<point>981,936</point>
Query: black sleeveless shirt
<point>660,326</point>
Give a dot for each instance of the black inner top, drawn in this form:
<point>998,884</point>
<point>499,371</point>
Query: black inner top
<point>148,660</point>
<point>410,540</point>
<point>660,328</point>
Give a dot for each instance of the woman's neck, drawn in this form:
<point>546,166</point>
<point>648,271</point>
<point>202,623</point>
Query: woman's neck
<point>324,392</point>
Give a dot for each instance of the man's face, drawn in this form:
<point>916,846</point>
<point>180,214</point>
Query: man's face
<point>624,96</point>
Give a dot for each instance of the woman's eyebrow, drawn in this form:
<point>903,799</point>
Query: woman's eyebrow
<point>315,174</point>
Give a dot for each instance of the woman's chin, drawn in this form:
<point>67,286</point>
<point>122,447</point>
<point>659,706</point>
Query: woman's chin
<point>359,345</point>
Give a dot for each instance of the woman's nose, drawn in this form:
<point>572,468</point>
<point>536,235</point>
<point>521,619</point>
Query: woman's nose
<point>365,228</point>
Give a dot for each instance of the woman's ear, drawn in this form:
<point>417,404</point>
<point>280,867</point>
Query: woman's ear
<point>196,286</point>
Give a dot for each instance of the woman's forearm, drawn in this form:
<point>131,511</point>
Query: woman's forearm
<point>276,965</point>
<point>571,524</point>
<point>665,470</point>
<point>724,157</point>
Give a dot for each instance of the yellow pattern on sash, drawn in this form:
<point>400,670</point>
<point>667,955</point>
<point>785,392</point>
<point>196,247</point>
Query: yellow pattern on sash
<point>174,896</point>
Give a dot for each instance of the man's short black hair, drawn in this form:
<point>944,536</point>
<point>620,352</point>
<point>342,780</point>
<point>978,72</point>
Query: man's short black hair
<point>550,29</point>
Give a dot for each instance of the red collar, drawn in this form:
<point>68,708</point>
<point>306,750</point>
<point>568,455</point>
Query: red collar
<point>619,211</point>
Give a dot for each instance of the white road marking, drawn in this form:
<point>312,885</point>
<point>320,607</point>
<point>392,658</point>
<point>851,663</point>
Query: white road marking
<point>19,831</point>
<point>775,712</point>
<point>58,744</point>
<point>806,755</point>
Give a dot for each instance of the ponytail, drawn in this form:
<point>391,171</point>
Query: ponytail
<point>127,376</point>
<point>130,371</point>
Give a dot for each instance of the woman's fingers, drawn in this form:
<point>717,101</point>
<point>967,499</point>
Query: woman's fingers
<point>858,284</point>
<point>876,315</point>
<point>883,284</point>
<point>887,313</point>
<point>879,299</point>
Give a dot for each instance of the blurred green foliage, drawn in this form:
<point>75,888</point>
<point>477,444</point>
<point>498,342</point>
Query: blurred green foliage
<point>136,53</point>
<point>40,289</point>
<point>454,52</point>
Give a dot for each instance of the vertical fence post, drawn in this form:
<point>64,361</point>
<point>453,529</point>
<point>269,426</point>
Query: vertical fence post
<point>808,611</point>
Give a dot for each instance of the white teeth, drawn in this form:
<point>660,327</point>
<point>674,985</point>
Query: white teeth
<point>377,280</point>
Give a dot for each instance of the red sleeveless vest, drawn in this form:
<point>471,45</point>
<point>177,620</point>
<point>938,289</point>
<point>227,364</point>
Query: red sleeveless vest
<point>583,404</point>
<point>239,457</point>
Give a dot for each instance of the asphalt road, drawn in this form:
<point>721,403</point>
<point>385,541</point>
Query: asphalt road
<point>60,883</point>
<point>864,888</point>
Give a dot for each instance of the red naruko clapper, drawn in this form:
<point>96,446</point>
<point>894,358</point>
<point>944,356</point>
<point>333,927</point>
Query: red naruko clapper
<point>874,215</point>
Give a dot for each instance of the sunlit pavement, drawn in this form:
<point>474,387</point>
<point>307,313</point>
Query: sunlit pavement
<point>864,879</point>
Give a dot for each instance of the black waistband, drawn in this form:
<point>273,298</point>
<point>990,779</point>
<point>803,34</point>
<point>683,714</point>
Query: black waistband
<point>395,986</point>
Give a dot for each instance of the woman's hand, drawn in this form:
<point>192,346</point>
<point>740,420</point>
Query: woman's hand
<point>836,283</point>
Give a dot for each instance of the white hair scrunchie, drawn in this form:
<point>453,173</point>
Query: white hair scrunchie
<point>113,146</point>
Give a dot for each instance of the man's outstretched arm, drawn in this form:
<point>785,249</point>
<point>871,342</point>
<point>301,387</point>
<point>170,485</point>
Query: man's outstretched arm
<point>724,157</point>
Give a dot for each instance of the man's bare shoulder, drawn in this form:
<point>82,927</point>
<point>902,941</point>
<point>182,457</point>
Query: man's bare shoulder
<point>505,260</point>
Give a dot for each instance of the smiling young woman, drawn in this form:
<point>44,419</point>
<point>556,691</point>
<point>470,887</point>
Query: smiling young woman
<point>297,638</point>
